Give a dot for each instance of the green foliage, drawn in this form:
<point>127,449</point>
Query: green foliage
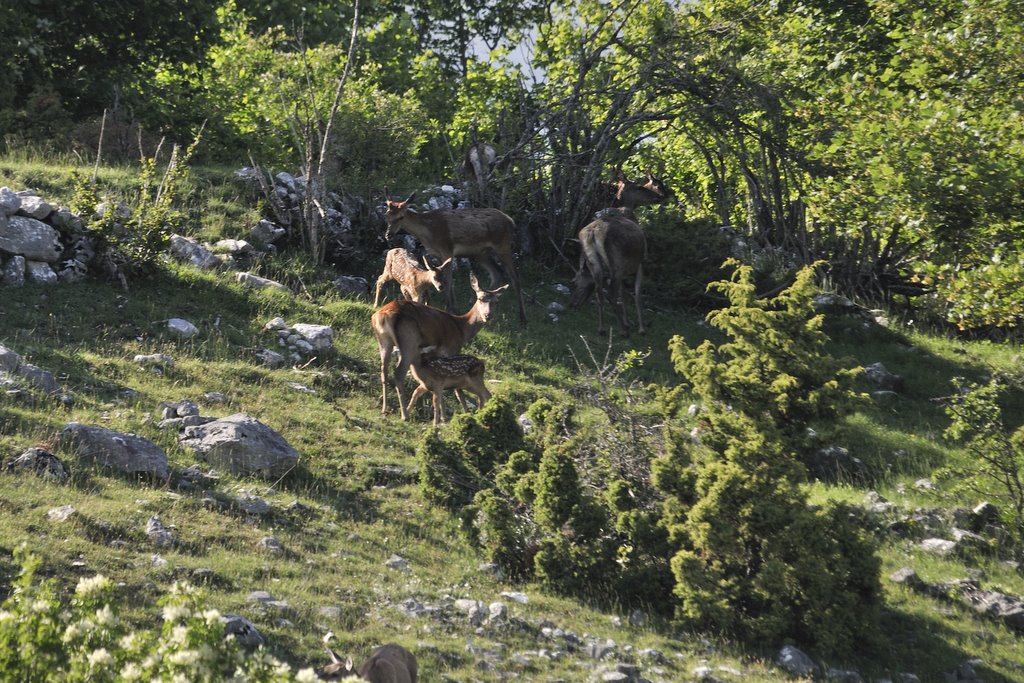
<point>130,239</point>
<point>683,256</point>
<point>773,367</point>
<point>994,466</point>
<point>459,460</point>
<point>752,559</point>
<point>84,639</point>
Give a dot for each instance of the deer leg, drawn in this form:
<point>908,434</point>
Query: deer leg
<point>462,399</point>
<point>376,294</point>
<point>385,360</point>
<point>449,290</point>
<point>510,269</point>
<point>438,408</point>
<point>618,298</point>
<point>636,296</point>
<point>400,372</point>
<point>419,391</point>
<point>494,270</point>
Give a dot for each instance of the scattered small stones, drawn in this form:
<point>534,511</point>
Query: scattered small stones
<point>155,359</point>
<point>40,462</point>
<point>271,359</point>
<point>243,630</point>
<point>182,328</point>
<point>398,562</point>
<point>796,662</point>
<point>271,544</point>
<point>256,282</point>
<point>160,535</point>
<point>61,514</point>
<point>516,596</point>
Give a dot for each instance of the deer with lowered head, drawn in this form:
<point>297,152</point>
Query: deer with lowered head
<point>437,373</point>
<point>411,328</point>
<point>613,248</point>
<point>415,282</point>
<point>485,234</point>
<point>389,663</point>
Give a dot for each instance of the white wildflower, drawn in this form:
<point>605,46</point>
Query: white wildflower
<point>40,606</point>
<point>5,615</point>
<point>176,612</point>
<point>131,672</point>
<point>179,634</point>
<point>184,658</point>
<point>88,586</point>
<point>180,678</point>
<point>105,616</point>
<point>281,669</point>
<point>72,632</point>
<point>100,657</point>
<point>128,642</point>
<point>306,676</point>
<point>211,617</point>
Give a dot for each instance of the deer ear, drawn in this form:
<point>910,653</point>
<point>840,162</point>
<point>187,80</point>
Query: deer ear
<point>444,265</point>
<point>387,195</point>
<point>499,290</point>
<point>473,282</point>
<point>349,664</point>
<point>620,176</point>
<point>409,198</point>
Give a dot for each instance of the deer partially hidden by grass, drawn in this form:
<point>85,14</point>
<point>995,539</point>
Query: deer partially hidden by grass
<point>437,373</point>
<point>411,327</point>
<point>484,234</point>
<point>415,281</point>
<point>613,248</point>
<point>389,663</point>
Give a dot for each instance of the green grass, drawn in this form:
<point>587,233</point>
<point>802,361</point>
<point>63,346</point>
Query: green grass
<point>354,517</point>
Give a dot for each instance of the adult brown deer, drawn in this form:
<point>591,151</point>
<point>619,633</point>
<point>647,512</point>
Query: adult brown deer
<point>389,663</point>
<point>401,266</point>
<point>630,194</point>
<point>486,234</point>
<point>438,373</point>
<point>613,247</point>
<point>411,327</point>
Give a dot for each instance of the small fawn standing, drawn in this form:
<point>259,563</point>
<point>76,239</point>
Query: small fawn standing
<point>401,266</point>
<point>437,373</point>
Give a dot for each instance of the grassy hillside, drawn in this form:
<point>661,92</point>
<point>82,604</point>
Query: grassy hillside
<point>358,503</point>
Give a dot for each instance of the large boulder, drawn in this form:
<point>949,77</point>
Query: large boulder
<point>320,336</point>
<point>242,445</point>
<point>128,453</point>
<point>33,239</point>
<point>10,202</point>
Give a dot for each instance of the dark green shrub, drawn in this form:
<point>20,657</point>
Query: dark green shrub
<point>505,531</point>
<point>445,477</point>
<point>575,555</point>
<point>751,559</point>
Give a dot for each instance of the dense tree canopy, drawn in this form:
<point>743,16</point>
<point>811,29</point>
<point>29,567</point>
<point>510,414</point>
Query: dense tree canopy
<point>884,137</point>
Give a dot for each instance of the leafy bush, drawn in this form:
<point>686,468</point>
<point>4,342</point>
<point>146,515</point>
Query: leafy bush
<point>752,560</point>
<point>683,256</point>
<point>84,639</point>
<point>130,238</point>
<point>460,460</point>
<point>994,467</point>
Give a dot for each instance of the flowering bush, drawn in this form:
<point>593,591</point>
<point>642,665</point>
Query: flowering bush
<point>82,639</point>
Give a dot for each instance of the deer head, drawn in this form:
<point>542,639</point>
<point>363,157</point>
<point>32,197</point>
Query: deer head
<point>396,211</point>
